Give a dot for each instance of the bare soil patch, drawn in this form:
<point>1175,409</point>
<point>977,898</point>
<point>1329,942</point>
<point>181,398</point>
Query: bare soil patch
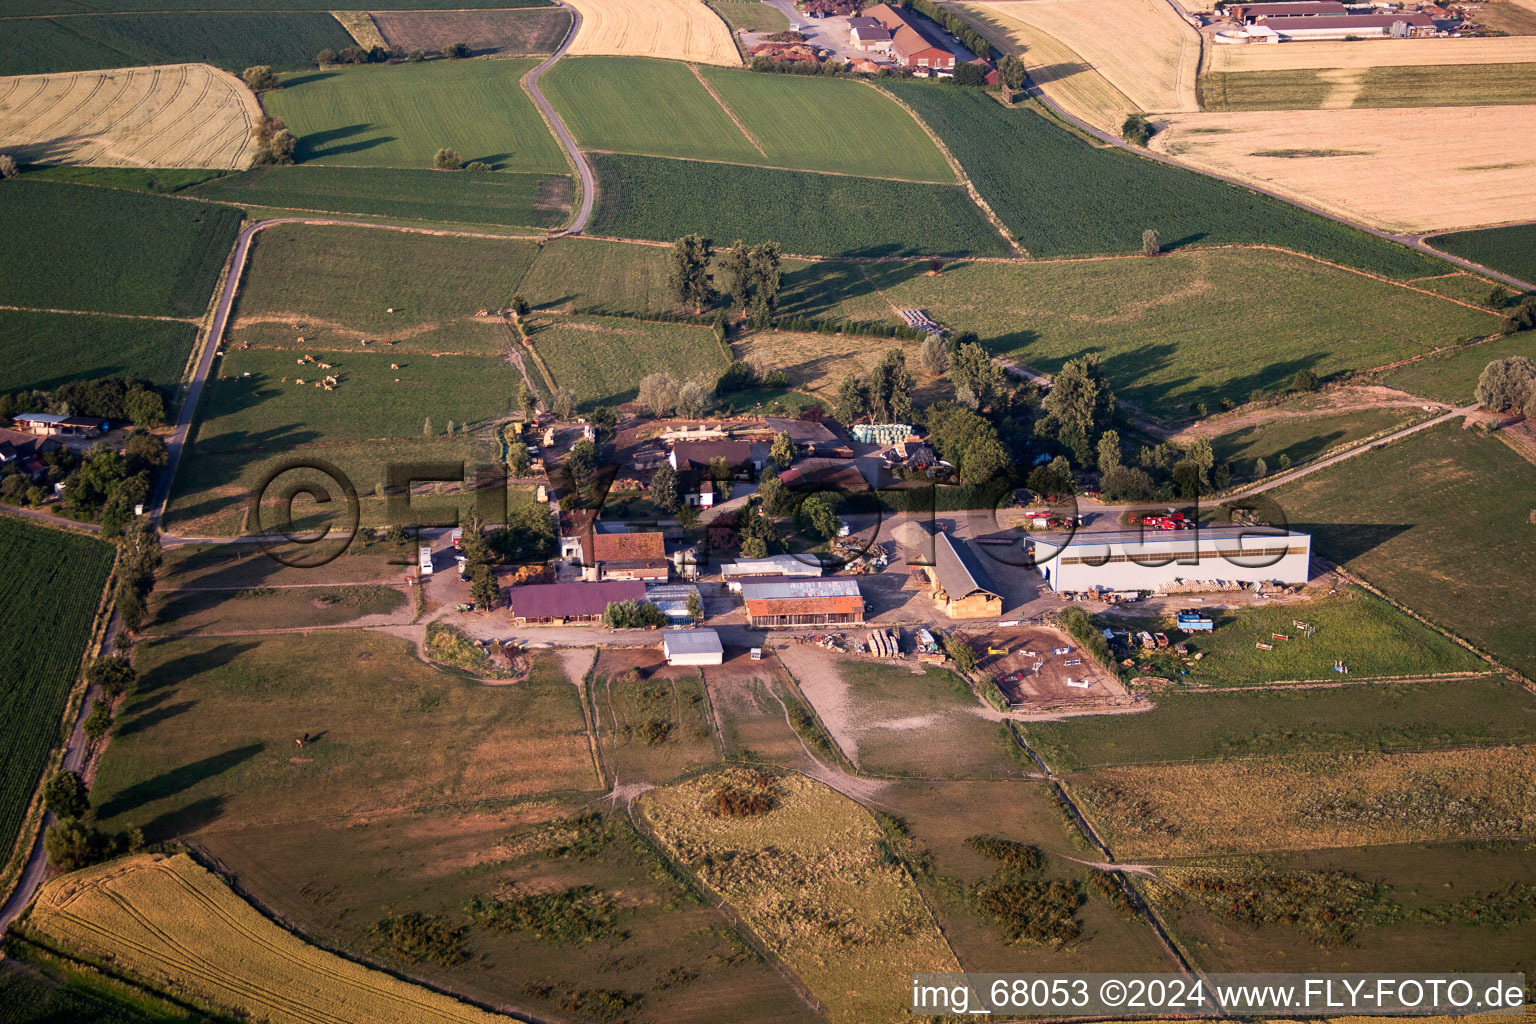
<point>500,33</point>
<point>1044,674</point>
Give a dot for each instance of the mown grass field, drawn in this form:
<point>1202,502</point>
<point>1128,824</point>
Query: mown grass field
<point>56,578</point>
<point>1443,505</point>
<point>224,951</point>
<point>1511,250</point>
<point>1452,376</point>
<point>1368,635</point>
<point>1165,326</point>
<point>815,854</point>
<point>603,359</point>
<point>659,108</point>
<point>232,40</point>
<point>923,726</point>
<point>1302,438</point>
<point>110,251</point>
<point>215,611</point>
<point>45,350</point>
<point>339,283</point>
<point>1483,711</point>
<point>1441,85</point>
<point>1061,196</point>
<point>502,801</point>
<point>811,214</point>
<point>399,116</point>
<point>537,201</point>
<point>750,15</point>
<point>1420,920</point>
<point>1311,801</point>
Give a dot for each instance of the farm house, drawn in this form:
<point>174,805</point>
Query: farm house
<point>692,647</point>
<point>961,584</point>
<point>625,556</point>
<point>830,601</point>
<point>1124,560</point>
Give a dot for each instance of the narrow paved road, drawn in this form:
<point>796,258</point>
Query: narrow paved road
<point>567,141</point>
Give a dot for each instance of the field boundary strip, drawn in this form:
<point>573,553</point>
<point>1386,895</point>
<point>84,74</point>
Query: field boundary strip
<point>963,179</point>
<point>741,125</point>
<point>90,312</point>
<point>767,167</point>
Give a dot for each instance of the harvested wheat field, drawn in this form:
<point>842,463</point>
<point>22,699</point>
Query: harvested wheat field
<point>178,926</point>
<point>810,872</point>
<point>1141,47</point>
<point>173,115</point>
<point>1377,53</point>
<point>1405,169</point>
<point>675,29</point>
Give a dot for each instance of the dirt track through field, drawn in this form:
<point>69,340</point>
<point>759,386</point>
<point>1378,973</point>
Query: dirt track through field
<point>177,115</point>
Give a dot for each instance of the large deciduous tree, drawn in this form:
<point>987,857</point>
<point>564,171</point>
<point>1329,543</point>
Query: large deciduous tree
<point>689,273</point>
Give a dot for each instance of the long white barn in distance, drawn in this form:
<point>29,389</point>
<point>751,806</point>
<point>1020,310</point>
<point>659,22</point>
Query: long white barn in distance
<point>1124,560</point>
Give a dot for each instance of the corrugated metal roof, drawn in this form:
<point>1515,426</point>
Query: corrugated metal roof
<point>774,590</point>
<point>960,569</point>
<point>691,641</point>
<point>759,607</point>
<point>773,565</point>
<point>1222,533</point>
<point>568,600</point>
<point>1346,22</point>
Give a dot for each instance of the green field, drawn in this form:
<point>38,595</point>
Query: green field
<point>1439,85</point>
<point>55,578</point>
<point>110,251</point>
<point>160,180</point>
<point>812,214</point>
<point>17,8</point>
<point>1445,507</point>
<point>1302,438</point>
<point>539,201</point>
<point>659,108</point>
<point>1060,196</point>
<point>603,359</point>
<point>1211,726</point>
<point>1368,635</point>
<point>82,997</point>
<point>1166,326</point>
<point>1452,376</point>
<point>1509,250</point>
<point>44,350</point>
<point>398,116</point>
<point>339,283</point>
<point>1422,892</point>
<point>750,15</point>
<point>367,820</point>
<point>655,725</point>
<point>233,41</point>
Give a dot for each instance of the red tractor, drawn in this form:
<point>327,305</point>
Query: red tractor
<point>1172,520</point>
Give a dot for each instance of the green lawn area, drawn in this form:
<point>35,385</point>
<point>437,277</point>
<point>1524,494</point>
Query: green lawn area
<point>398,116</point>
<point>1486,710</point>
<point>750,15</point>
<point>341,282</point>
<point>45,350</point>
<point>1167,327</point>
<point>1302,438</point>
<point>1452,376</point>
<point>1439,85</point>
<point>109,250</point>
<point>232,40</point>
<point>1441,521</point>
<point>1061,196</point>
<point>659,108</point>
<point>1367,634</point>
<point>807,213</point>
<point>537,201</point>
<point>1510,250</point>
<point>575,274</point>
<point>54,577</point>
<point>603,359</point>
<point>925,726</point>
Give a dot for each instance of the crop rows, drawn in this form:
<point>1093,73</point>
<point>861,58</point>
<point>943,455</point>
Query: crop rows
<point>1510,250</point>
<point>813,214</point>
<point>49,592</point>
<point>234,40</point>
<point>177,925</point>
<point>45,350</point>
<point>1061,196</point>
<point>111,251</point>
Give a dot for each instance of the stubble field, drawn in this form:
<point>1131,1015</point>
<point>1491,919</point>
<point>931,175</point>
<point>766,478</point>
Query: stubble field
<point>533,30</point>
<point>1368,164</point>
<point>674,29</point>
<point>180,115</point>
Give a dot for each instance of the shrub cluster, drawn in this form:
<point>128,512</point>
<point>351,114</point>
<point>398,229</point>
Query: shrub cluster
<point>579,913</point>
<point>1330,906</point>
<point>418,937</point>
<point>1012,855</point>
<point>745,795</point>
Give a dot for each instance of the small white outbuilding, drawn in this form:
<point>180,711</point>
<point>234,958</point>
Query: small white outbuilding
<point>692,647</point>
